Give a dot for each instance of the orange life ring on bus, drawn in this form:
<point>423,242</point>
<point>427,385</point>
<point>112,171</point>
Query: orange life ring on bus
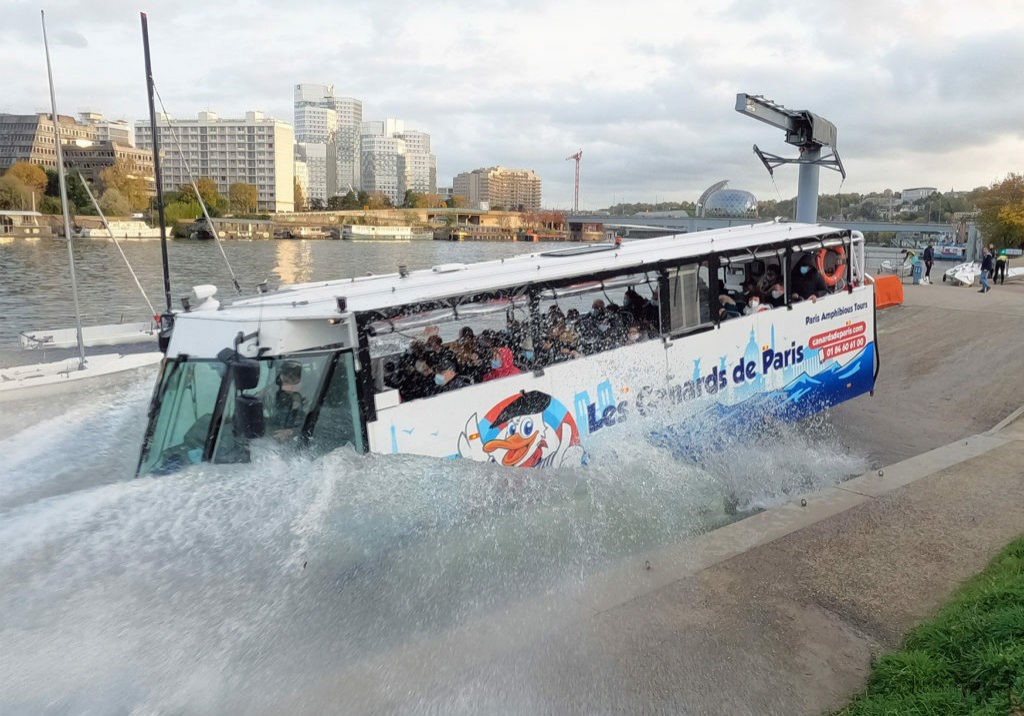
<point>832,277</point>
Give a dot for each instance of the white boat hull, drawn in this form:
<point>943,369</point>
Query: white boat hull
<point>114,334</point>
<point>28,382</point>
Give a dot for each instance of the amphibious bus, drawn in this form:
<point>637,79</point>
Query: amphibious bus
<point>524,361</point>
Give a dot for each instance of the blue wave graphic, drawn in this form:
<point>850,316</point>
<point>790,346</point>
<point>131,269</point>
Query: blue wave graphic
<point>719,424</point>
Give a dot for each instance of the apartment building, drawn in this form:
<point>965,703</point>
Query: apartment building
<point>256,150</point>
<point>499,187</point>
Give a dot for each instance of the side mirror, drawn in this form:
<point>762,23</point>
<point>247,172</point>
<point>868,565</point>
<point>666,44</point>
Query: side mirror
<point>246,370</point>
<point>247,373</point>
<point>249,417</point>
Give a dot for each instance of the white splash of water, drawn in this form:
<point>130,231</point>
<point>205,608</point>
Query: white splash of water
<point>238,588</point>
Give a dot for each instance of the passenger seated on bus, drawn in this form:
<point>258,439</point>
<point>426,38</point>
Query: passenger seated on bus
<point>571,317</point>
<point>806,282</point>
<point>727,307</point>
<point>501,365</point>
<point>595,329</point>
<point>447,378</point>
<point>635,304</point>
<point>524,355</point>
<point>634,335</point>
<point>553,317</point>
<point>754,304</point>
<point>468,355</point>
<point>776,295</point>
<point>772,275</point>
<point>437,350</point>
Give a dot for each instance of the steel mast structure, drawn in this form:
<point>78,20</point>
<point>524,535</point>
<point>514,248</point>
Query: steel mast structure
<point>806,131</point>
<point>576,197</point>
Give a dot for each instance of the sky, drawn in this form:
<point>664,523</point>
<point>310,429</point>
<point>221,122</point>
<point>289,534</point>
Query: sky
<point>922,93</point>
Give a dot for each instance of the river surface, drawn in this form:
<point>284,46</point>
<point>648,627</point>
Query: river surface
<point>243,588</point>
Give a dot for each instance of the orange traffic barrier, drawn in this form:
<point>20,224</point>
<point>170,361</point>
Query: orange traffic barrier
<point>888,291</point>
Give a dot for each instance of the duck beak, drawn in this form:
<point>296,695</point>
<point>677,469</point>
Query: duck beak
<point>516,447</point>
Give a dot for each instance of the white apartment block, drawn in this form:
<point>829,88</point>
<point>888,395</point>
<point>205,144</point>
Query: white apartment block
<point>256,150</point>
<point>496,187</point>
<point>109,130</point>
<point>395,160</point>
<point>909,196</point>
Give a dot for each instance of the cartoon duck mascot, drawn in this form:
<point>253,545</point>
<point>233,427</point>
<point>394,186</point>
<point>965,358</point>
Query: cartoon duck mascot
<point>528,434</point>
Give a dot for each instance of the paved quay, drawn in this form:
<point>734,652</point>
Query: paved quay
<point>779,613</point>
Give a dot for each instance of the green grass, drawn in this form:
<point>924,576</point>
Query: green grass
<point>968,660</point>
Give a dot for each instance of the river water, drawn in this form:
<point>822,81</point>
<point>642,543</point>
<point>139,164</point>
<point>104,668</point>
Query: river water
<point>244,588</point>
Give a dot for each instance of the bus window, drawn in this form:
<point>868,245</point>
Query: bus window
<point>688,298</point>
<point>337,423</point>
<point>595,316</point>
<point>186,399</point>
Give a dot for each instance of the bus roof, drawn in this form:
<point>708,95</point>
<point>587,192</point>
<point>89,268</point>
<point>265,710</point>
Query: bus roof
<point>381,292</point>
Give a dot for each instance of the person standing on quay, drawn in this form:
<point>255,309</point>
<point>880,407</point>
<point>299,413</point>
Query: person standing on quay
<point>1001,261</point>
<point>929,259</point>
<point>986,267</point>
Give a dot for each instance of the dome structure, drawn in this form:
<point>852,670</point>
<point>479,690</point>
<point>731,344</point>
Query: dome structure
<point>732,203</point>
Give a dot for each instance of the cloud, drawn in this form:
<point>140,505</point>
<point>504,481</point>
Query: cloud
<point>71,39</point>
<point>922,94</point>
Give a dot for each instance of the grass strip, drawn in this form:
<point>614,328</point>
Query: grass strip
<point>969,659</point>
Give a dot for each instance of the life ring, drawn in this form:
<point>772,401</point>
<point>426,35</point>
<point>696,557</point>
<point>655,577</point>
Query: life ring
<point>832,277</point>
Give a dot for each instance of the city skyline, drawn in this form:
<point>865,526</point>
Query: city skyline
<point>923,94</point>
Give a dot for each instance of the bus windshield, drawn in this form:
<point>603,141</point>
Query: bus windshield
<point>201,415</point>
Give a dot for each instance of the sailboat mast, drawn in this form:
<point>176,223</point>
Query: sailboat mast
<point>64,198</point>
<point>156,168</point>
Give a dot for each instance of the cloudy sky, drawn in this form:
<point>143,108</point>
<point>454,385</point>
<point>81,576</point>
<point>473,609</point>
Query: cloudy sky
<point>923,93</point>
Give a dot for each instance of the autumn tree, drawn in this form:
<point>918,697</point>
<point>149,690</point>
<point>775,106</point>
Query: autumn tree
<point>299,197</point>
<point>431,201</point>
<point>457,201</point>
<point>335,202</point>
<point>379,200</point>
<point>207,190</point>
<point>242,197</point>
<point>113,203</point>
<point>1001,217</point>
<point>32,176</point>
<point>13,194</point>
<point>130,183</point>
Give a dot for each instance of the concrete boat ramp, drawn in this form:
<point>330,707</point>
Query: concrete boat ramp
<point>781,612</point>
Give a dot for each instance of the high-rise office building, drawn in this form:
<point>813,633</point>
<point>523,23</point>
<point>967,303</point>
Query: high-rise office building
<point>334,122</point>
<point>30,138</point>
<point>256,150</point>
<point>395,160</point>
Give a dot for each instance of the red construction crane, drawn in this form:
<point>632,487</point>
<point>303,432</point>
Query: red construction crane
<point>576,197</point>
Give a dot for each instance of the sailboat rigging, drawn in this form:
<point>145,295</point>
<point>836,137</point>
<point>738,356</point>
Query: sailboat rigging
<point>62,180</point>
<point>42,378</point>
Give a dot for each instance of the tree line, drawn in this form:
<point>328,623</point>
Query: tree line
<point>120,191</point>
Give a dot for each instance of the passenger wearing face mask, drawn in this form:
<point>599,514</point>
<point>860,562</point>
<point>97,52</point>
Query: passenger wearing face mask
<point>754,304</point>
<point>501,364</point>
<point>446,378</point>
<point>805,281</point>
<point>776,295</point>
